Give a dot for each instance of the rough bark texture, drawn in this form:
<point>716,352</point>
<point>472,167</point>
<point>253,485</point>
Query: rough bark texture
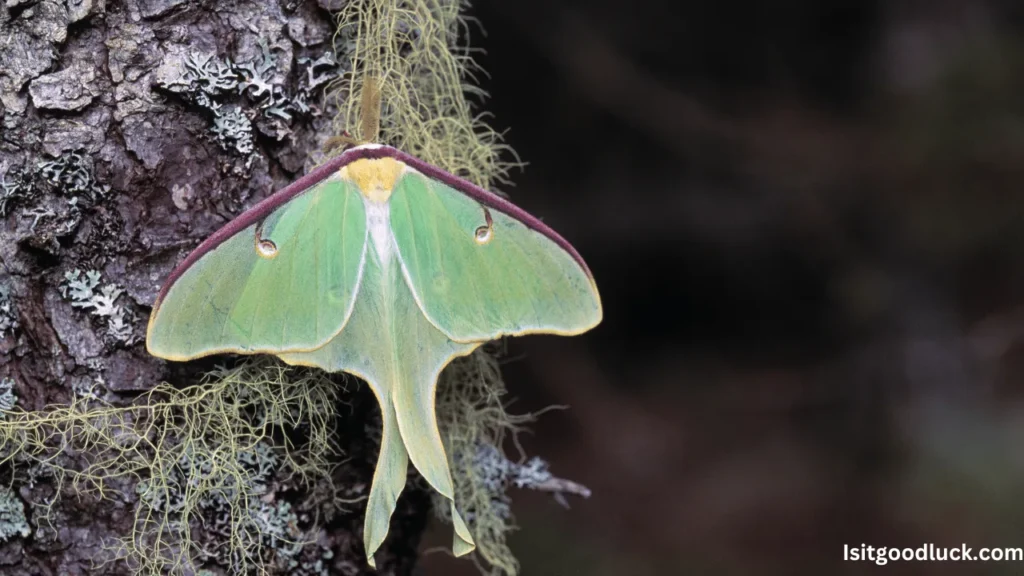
<point>109,166</point>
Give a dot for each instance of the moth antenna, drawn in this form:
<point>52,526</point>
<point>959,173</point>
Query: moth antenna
<point>344,141</point>
<point>370,109</point>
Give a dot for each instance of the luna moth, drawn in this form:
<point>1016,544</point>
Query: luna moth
<point>383,266</point>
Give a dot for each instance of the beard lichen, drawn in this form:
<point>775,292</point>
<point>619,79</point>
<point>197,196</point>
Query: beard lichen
<point>418,56</point>
<point>201,459</point>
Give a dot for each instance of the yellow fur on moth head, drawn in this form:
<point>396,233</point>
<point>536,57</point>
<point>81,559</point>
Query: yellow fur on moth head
<point>375,177</point>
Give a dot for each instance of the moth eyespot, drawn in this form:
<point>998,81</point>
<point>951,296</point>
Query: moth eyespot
<point>483,234</point>
<point>266,248</point>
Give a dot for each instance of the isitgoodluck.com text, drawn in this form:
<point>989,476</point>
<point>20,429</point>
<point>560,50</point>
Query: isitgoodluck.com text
<point>882,555</point>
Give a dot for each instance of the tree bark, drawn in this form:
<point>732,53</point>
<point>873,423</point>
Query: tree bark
<point>118,156</point>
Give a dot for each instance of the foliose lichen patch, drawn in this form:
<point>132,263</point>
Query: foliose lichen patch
<point>244,97</point>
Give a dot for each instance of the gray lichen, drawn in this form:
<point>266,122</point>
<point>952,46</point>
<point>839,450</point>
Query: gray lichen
<point>532,474</point>
<point>215,85</point>
<point>72,174</point>
<point>257,78</point>
<point>318,73</point>
<point>314,562</point>
<point>483,477</point>
<point>233,131</point>
<point>7,396</point>
<point>12,516</point>
<point>89,388</point>
<point>85,292</point>
<point>80,288</point>
<point>261,84</point>
<point>53,195</point>
<point>15,186</point>
<point>277,525</point>
<point>203,78</point>
<point>121,325</point>
<point>37,213</point>
<point>496,473</point>
<point>8,314</point>
<point>203,81</point>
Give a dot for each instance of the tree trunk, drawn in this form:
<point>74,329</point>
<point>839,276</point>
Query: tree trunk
<point>131,131</point>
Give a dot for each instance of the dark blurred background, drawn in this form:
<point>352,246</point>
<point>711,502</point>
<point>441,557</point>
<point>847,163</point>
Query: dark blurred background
<point>805,219</point>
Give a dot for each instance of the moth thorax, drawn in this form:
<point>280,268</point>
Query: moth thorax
<point>375,177</point>
<point>378,221</point>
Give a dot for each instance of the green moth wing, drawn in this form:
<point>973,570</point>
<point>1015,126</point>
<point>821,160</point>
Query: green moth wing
<point>286,280</point>
<point>480,273</point>
<point>390,344</point>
